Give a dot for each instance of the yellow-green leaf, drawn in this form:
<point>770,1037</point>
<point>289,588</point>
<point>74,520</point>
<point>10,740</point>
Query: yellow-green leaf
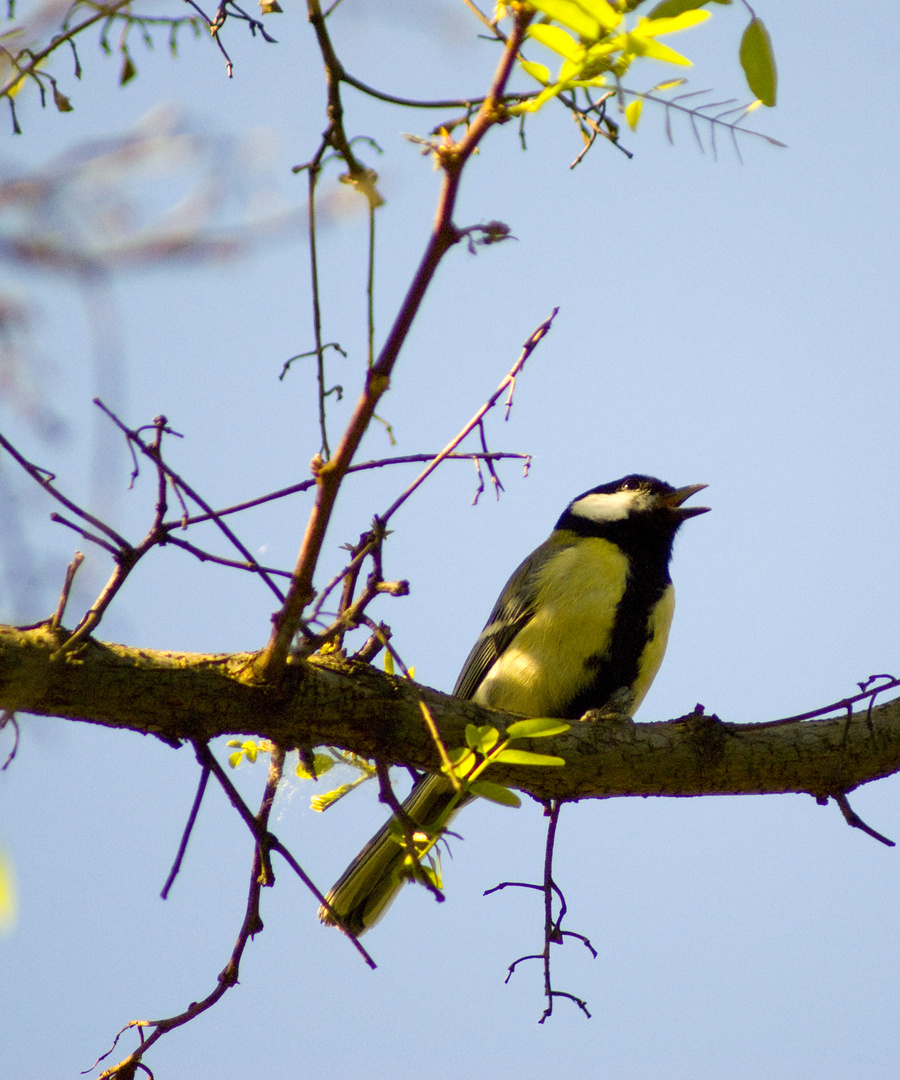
<point>388,662</point>
<point>604,13</point>
<point>496,793</point>
<point>758,62</point>
<point>7,894</point>
<point>537,71</point>
<point>555,38</point>
<point>538,728</point>
<point>641,45</point>
<point>633,112</point>
<point>483,739</point>
<point>414,869</point>
<point>655,27</point>
<point>322,802</point>
<point>669,8</point>
<point>235,758</point>
<point>463,761</point>
<point>322,763</point>
<point>526,757</point>
<point>572,15</point>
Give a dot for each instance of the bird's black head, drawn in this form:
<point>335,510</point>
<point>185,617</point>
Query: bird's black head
<point>631,509</point>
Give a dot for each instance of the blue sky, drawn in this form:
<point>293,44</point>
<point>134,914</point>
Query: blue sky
<point>727,323</point>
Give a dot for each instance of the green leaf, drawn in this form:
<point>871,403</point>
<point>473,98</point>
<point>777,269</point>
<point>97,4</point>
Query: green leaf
<point>526,757</point>
<point>414,869</point>
<point>571,14</point>
<point>321,803</point>
<point>556,39</point>
<point>7,894</point>
<point>538,728</point>
<point>604,13</point>
<point>758,62</point>
<point>483,739</point>
<point>633,113</point>
<point>668,9</point>
<point>655,27</point>
<point>322,763</point>
<point>537,71</point>
<point>463,762</point>
<point>669,84</point>
<point>496,793</point>
<point>645,45</point>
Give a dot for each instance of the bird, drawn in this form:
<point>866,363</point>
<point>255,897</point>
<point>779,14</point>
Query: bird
<point>581,625</point>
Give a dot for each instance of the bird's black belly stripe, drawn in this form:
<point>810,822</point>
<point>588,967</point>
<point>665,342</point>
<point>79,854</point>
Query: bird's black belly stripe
<point>648,551</point>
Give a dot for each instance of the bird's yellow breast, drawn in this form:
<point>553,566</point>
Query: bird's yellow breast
<point>658,635</point>
<point>580,585</point>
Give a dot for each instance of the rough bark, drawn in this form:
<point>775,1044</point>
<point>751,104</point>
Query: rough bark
<point>179,696</point>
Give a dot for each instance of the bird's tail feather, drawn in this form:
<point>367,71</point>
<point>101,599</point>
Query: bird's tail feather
<point>365,890</point>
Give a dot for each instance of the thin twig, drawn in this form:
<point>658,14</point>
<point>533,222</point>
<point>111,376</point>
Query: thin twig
<point>439,744</point>
<point>234,564</point>
<point>85,534</point>
<point>45,478</point>
<point>312,179</point>
<point>71,570</point>
<point>855,821</point>
<point>845,703</point>
<point>363,466</point>
<point>508,382</point>
<point>127,557</point>
<point>8,719</point>
<point>266,839</point>
<point>178,483</point>
<point>553,932</point>
<point>35,59</point>
<point>186,835</point>
<point>260,876</point>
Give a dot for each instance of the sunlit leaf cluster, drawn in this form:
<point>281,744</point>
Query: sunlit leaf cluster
<point>484,747</point>
<point>597,45</point>
<point>598,42</point>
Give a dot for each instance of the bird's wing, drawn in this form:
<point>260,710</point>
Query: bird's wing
<point>513,611</point>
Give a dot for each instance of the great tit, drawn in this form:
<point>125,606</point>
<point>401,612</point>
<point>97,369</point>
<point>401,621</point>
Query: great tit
<point>582,624</point>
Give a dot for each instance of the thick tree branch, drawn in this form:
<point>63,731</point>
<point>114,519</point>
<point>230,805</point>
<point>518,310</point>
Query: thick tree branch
<point>179,696</point>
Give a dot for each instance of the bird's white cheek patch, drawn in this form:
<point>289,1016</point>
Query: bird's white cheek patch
<point>614,507</point>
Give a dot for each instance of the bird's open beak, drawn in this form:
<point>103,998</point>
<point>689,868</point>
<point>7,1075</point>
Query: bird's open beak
<point>673,502</point>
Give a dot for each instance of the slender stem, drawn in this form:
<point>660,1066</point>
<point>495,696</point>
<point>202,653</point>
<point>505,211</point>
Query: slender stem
<point>509,381</point>
<point>36,59</point>
<point>370,289</point>
<point>314,167</point>
<point>443,236</point>
<point>186,835</point>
